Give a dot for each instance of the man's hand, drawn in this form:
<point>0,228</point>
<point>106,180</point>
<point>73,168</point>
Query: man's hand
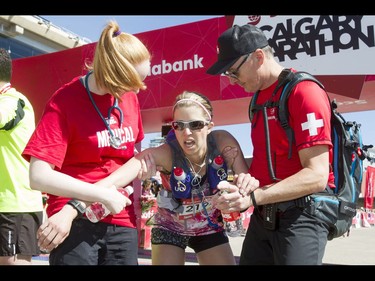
<point>228,198</point>
<point>246,183</point>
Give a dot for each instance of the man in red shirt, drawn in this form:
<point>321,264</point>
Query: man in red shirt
<point>285,233</point>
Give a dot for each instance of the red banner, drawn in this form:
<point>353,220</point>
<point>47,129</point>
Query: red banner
<point>369,190</point>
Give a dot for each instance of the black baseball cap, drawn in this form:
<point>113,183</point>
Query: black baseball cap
<point>234,43</point>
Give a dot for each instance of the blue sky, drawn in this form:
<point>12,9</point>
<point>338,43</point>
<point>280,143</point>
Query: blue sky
<point>90,27</point>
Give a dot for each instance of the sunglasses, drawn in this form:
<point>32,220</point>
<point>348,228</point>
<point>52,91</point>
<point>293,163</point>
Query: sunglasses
<point>234,74</point>
<point>192,125</point>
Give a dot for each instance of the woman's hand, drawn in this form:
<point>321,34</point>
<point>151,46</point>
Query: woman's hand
<point>55,229</point>
<point>115,201</point>
<point>149,168</point>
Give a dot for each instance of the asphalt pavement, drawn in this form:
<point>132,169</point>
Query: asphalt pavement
<point>356,249</point>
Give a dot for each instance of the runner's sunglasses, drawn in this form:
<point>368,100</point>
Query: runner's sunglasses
<point>192,125</point>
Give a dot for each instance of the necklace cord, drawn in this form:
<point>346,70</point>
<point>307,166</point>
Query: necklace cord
<point>199,192</point>
<point>200,166</point>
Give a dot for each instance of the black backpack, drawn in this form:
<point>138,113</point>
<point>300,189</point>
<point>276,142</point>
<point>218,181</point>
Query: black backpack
<point>336,206</point>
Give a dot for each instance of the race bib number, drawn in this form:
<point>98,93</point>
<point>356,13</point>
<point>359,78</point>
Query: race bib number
<point>191,208</point>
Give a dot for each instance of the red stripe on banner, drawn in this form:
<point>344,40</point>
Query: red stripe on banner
<point>369,190</point>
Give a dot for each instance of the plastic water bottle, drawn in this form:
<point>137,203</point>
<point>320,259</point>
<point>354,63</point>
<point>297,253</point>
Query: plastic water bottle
<point>98,211</point>
<point>232,221</point>
<point>218,162</point>
<point>180,183</point>
<point>179,174</point>
<point>216,171</point>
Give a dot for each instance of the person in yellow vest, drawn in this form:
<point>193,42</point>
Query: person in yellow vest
<point>21,208</point>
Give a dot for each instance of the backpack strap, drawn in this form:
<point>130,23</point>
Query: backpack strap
<point>283,78</point>
<point>253,106</point>
<point>20,114</point>
<point>179,160</point>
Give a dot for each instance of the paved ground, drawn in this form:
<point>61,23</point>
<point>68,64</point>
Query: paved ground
<point>356,249</point>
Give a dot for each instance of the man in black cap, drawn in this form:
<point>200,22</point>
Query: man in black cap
<point>281,231</point>
<point>237,42</point>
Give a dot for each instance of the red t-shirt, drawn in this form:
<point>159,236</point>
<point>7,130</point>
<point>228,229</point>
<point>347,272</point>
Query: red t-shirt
<point>72,136</point>
<point>309,117</point>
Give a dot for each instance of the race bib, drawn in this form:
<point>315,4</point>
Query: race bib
<point>190,208</point>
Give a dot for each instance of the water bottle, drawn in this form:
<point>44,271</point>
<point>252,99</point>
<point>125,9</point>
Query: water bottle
<point>218,162</point>
<point>232,221</point>
<point>179,174</point>
<point>180,183</point>
<point>217,171</point>
<point>98,211</point>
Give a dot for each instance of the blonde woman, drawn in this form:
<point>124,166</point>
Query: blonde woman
<point>185,215</point>
<point>89,128</point>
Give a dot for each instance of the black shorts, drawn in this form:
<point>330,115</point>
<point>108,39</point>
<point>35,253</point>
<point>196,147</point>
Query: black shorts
<point>197,243</point>
<point>18,233</point>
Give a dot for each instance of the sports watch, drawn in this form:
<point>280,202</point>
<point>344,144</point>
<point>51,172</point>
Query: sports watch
<point>78,206</point>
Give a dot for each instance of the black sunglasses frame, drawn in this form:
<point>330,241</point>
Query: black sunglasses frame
<point>234,74</point>
<point>192,125</point>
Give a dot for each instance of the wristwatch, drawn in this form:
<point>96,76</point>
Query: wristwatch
<point>78,206</point>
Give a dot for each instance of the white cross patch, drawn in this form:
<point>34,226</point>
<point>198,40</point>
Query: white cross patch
<point>312,124</point>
